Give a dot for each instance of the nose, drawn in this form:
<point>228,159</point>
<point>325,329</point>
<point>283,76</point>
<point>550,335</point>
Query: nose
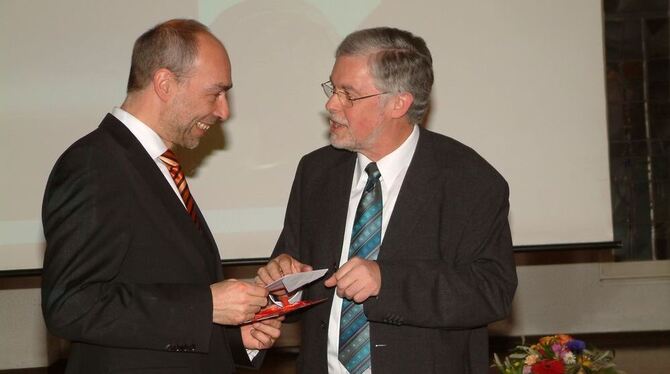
<point>333,103</point>
<point>222,109</point>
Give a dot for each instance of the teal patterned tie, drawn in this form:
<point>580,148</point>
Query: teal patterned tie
<point>366,237</point>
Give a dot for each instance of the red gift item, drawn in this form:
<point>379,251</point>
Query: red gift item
<point>276,311</point>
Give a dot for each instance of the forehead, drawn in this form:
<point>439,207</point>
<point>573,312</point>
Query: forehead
<point>212,62</point>
<point>352,72</point>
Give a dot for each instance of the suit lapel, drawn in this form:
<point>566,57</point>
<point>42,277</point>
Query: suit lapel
<point>212,243</point>
<point>417,190</point>
<point>160,189</point>
<point>338,186</point>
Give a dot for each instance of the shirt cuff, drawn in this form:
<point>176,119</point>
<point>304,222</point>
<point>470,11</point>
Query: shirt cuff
<point>252,353</point>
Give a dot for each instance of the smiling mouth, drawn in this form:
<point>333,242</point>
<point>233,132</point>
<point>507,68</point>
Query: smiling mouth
<point>203,126</point>
<point>336,124</point>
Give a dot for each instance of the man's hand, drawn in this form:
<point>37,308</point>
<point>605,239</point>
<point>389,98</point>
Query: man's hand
<point>262,334</point>
<point>278,267</point>
<point>235,301</point>
<point>357,280</point>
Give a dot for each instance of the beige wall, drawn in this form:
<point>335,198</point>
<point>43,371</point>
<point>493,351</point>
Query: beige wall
<point>572,298</point>
<point>590,298</point>
<point>24,341</point>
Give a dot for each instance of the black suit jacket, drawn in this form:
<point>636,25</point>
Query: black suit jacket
<point>126,272</point>
<point>446,259</point>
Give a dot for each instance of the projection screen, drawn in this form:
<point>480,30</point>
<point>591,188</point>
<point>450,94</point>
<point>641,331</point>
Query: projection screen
<point>520,81</point>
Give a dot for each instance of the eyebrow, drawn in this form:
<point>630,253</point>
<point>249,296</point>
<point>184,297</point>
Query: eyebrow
<point>344,88</point>
<point>220,87</point>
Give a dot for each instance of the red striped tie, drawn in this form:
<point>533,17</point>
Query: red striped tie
<point>170,160</point>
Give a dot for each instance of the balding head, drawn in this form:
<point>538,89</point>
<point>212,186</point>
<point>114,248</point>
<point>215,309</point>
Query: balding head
<point>172,45</point>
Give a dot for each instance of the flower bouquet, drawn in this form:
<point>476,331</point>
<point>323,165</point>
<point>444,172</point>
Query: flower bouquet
<point>556,354</point>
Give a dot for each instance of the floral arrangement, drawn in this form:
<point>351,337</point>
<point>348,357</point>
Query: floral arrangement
<point>556,354</point>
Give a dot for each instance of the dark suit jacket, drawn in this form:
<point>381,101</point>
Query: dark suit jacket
<point>126,272</point>
<point>446,259</point>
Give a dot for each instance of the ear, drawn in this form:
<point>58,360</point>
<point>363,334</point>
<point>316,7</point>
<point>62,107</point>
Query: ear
<point>164,84</point>
<point>401,103</point>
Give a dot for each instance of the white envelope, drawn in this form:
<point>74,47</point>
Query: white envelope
<point>292,282</point>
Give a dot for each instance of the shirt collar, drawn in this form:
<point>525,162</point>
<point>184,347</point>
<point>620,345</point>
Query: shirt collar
<point>391,165</point>
<point>151,142</point>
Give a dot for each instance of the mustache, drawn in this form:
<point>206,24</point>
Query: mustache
<point>339,120</point>
<point>209,121</point>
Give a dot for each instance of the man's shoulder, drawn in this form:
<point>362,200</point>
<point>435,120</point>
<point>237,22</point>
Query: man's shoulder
<point>99,143</point>
<point>327,156</point>
<point>450,154</point>
<point>444,146</point>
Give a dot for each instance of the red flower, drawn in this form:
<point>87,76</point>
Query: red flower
<point>548,367</point>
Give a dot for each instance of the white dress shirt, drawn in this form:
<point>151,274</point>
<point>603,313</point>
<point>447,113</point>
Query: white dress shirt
<point>393,168</point>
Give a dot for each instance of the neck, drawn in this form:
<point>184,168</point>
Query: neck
<point>143,107</point>
<point>389,141</point>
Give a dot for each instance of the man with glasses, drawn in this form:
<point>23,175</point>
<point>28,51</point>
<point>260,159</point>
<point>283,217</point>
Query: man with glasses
<point>412,225</point>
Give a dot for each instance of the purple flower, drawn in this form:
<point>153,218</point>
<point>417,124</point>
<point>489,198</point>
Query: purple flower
<point>576,346</point>
<point>557,349</point>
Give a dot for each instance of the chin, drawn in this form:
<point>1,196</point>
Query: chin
<point>341,145</point>
<point>335,142</point>
<point>191,145</point>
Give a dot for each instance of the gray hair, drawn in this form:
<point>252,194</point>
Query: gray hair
<point>400,62</point>
<point>171,45</point>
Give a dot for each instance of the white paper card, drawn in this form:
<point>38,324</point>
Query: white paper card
<point>292,282</point>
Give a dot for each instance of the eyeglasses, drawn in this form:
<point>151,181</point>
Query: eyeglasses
<point>345,99</point>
